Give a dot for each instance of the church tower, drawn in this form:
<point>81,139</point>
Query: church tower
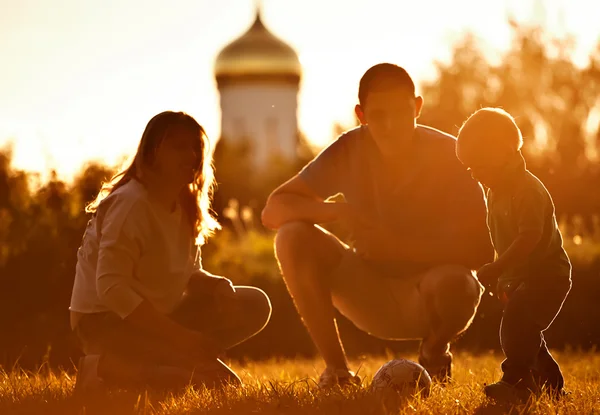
<point>258,77</point>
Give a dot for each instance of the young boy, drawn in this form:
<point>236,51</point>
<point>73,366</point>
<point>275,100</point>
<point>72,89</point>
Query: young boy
<point>532,271</point>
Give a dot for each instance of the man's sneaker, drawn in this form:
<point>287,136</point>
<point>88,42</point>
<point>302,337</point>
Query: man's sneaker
<point>514,392</point>
<point>505,392</point>
<point>87,381</point>
<point>439,368</point>
<point>338,377</point>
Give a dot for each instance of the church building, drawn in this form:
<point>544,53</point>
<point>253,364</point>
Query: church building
<point>258,78</point>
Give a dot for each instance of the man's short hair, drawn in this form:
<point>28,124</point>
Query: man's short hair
<point>381,72</point>
<point>491,126</point>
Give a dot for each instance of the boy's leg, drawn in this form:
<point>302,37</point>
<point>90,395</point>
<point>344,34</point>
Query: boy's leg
<point>547,371</point>
<point>520,337</point>
<point>530,310</point>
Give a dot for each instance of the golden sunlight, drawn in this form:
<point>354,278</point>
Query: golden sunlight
<point>85,78</point>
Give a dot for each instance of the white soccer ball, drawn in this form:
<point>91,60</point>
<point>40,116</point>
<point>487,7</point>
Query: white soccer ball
<point>401,377</point>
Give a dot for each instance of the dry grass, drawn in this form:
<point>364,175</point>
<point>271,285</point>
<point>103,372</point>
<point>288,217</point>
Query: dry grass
<point>288,387</point>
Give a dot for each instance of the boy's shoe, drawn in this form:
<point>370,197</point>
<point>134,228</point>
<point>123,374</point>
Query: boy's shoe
<point>439,368</point>
<point>87,382</point>
<point>551,385</point>
<point>558,394</point>
<point>338,377</point>
<point>503,391</point>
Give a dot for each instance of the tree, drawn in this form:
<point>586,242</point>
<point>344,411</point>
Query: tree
<point>551,98</point>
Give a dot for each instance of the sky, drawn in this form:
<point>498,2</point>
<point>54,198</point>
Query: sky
<point>79,79</point>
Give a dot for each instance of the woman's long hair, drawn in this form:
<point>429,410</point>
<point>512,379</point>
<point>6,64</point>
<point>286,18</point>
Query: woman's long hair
<point>197,197</point>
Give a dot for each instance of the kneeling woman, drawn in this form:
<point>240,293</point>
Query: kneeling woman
<point>144,310</point>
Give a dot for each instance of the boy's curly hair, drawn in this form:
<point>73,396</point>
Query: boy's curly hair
<point>490,127</point>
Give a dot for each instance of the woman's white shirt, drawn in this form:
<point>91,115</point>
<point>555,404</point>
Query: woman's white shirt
<point>133,249</point>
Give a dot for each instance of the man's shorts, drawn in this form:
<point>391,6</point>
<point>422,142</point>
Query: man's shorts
<point>387,305</point>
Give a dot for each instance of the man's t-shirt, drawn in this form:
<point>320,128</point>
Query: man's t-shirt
<point>432,198</point>
<point>525,205</point>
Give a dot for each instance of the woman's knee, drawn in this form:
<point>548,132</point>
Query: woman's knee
<point>256,307</point>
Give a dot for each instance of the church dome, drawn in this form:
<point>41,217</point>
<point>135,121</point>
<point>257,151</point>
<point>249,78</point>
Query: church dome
<point>258,53</point>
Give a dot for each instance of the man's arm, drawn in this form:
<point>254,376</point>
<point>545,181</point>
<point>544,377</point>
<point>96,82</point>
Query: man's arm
<point>296,201</point>
<point>303,197</point>
<point>477,252</point>
<point>464,237</point>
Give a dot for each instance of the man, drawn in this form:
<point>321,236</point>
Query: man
<point>418,228</point>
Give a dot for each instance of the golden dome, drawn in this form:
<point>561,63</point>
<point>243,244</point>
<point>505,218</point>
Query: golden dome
<point>258,53</point>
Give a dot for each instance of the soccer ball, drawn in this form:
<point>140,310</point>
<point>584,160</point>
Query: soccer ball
<point>401,377</point>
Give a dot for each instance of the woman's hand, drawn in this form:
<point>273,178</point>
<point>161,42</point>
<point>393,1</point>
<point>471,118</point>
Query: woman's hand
<point>224,288</point>
<point>205,283</point>
<point>216,288</point>
<point>200,347</point>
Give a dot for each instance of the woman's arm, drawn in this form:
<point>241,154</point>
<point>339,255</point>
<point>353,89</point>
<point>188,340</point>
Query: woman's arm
<point>115,291</point>
<point>190,342</point>
<point>122,242</point>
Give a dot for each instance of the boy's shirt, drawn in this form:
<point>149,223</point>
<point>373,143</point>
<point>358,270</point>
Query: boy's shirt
<point>525,204</point>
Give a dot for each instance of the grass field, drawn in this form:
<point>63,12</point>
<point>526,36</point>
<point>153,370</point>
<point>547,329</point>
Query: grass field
<point>288,387</point>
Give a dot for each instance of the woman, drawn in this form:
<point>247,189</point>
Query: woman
<point>144,310</point>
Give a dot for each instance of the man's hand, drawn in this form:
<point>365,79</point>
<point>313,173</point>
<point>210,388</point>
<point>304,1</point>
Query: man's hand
<point>369,237</point>
<point>348,215</point>
<point>371,240</point>
<point>375,243</point>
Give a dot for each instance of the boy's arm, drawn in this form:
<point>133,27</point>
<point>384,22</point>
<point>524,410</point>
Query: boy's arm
<point>519,250</point>
<point>530,209</point>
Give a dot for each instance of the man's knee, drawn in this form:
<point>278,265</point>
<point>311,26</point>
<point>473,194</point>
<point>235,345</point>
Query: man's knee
<point>454,292</point>
<point>293,235</point>
<point>457,282</point>
<point>300,241</point>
